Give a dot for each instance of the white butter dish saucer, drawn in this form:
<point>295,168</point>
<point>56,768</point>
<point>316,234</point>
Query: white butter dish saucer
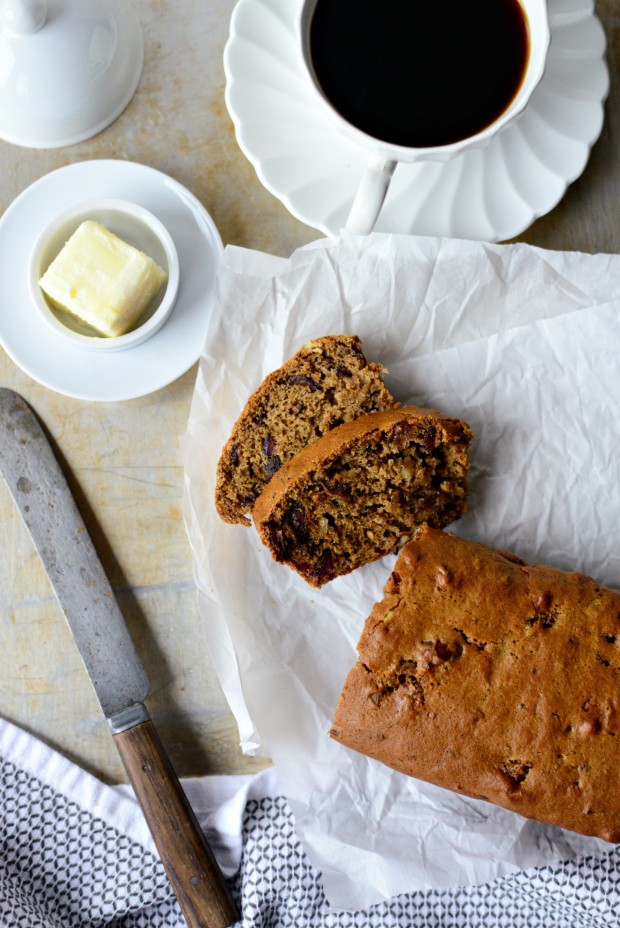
<point>72,370</point>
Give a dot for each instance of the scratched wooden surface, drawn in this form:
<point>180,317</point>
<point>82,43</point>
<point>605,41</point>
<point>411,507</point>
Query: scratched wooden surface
<point>123,458</point>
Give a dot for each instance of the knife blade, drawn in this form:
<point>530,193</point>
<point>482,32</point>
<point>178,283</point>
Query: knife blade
<point>44,499</point>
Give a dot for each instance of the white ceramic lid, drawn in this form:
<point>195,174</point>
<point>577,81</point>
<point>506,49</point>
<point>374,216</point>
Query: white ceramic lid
<point>68,68</point>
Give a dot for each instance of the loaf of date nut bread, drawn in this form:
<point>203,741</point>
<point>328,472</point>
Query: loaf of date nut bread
<point>494,678</point>
<point>359,492</point>
<point>327,382</point>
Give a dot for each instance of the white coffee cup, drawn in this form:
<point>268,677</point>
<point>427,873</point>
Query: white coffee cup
<point>384,156</point>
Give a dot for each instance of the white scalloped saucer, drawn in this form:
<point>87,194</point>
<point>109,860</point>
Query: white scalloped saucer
<point>490,195</point>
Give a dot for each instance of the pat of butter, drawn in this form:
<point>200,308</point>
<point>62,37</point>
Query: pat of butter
<point>102,280</point>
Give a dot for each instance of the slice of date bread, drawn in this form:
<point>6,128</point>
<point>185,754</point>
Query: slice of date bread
<point>494,678</point>
<point>359,492</point>
<point>327,382</point>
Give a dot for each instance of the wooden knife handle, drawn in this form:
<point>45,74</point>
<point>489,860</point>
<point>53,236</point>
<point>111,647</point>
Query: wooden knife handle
<point>187,858</point>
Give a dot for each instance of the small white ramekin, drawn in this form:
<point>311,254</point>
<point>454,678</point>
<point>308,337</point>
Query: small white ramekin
<point>136,226</point>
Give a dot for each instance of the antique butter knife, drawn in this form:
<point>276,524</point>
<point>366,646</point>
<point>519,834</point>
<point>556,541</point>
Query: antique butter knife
<point>42,494</point>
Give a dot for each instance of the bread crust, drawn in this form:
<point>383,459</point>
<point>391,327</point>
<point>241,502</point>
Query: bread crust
<point>493,678</point>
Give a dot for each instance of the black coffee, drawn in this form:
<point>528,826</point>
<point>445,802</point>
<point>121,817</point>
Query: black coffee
<point>419,73</point>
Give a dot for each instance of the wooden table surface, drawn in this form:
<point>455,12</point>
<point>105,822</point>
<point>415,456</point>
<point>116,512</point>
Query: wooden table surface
<point>123,459</point>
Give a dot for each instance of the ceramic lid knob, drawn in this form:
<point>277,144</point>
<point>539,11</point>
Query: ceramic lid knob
<point>49,98</point>
<point>22,16</point>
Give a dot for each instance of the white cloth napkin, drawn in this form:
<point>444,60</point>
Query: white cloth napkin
<point>75,853</point>
<point>72,846</point>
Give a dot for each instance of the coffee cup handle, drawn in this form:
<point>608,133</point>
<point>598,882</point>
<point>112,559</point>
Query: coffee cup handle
<point>370,195</point>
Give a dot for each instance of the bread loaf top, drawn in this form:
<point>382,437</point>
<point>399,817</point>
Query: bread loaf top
<point>493,678</point>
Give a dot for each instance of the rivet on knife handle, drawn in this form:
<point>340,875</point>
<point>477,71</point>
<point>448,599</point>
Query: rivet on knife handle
<point>44,499</point>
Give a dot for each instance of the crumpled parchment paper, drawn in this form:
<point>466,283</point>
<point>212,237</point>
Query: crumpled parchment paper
<point>522,343</point>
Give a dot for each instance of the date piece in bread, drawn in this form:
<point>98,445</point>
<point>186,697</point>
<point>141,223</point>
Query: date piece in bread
<point>327,382</point>
<point>359,492</point>
<point>493,678</point>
